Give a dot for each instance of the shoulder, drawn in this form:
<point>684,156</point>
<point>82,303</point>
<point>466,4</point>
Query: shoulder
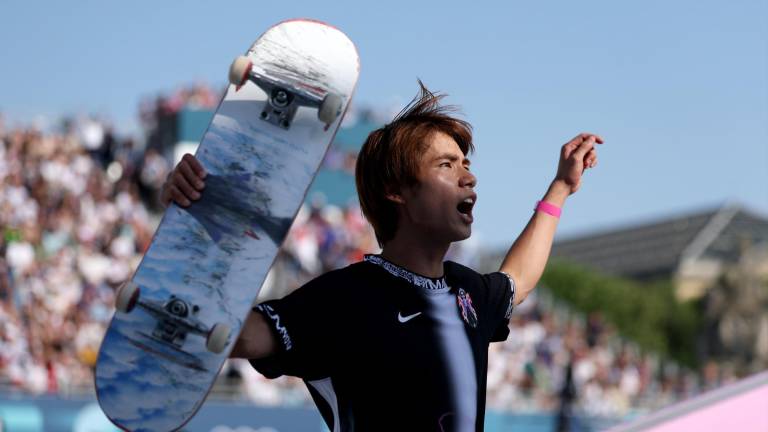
<point>454,270</point>
<point>331,289</point>
<point>474,281</point>
<point>337,279</point>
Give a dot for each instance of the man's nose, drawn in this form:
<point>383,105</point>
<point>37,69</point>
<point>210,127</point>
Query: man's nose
<point>468,180</point>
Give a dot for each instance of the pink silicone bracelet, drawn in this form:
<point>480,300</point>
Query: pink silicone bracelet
<point>548,208</point>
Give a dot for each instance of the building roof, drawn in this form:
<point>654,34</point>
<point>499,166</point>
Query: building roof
<point>655,249</point>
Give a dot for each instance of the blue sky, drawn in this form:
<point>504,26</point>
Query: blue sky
<point>679,90</point>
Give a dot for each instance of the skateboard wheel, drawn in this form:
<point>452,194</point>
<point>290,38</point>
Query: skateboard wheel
<point>217,338</point>
<point>127,297</point>
<point>330,108</point>
<point>238,72</point>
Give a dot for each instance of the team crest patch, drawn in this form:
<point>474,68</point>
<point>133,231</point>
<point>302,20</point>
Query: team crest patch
<point>467,310</point>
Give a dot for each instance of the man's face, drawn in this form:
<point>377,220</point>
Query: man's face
<point>440,205</point>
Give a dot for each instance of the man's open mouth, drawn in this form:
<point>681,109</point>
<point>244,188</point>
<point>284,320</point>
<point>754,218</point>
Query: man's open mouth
<point>465,206</point>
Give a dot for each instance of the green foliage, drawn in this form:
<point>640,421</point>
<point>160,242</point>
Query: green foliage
<point>648,314</point>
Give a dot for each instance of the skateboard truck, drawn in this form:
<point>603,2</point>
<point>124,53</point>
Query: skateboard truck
<point>285,97</point>
<point>175,319</point>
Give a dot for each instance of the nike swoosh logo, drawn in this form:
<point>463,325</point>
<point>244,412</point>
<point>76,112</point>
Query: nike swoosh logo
<point>403,319</point>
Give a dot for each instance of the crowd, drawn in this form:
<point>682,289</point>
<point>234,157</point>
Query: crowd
<point>195,96</point>
<point>73,228</point>
<point>76,216</point>
<point>340,160</point>
<point>554,360</point>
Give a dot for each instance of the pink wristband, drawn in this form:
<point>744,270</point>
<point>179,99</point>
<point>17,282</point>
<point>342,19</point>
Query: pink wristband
<point>548,208</point>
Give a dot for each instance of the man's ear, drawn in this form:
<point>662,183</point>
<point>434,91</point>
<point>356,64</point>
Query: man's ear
<point>394,195</point>
<point>395,198</point>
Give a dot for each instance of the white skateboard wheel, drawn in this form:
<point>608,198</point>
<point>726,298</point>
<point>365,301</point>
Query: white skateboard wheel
<point>238,72</point>
<point>127,297</point>
<point>330,108</point>
<point>217,338</point>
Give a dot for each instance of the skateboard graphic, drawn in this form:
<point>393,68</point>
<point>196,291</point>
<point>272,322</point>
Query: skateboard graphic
<point>178,317</point>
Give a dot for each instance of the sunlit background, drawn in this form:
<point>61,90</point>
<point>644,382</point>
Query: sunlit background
<point>658,287</point>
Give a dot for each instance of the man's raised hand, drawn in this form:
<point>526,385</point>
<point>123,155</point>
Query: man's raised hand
<point>576,156</point>
<point>185,183</point>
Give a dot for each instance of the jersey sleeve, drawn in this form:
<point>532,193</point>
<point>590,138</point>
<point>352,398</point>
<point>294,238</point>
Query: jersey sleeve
<point>302,324</point>
<point>501,300</point>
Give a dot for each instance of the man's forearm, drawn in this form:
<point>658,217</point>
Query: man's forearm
<point>255,340</point>
<point>528,255</point>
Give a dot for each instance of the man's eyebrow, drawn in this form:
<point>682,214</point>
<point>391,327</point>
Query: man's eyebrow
<point>451,157</point>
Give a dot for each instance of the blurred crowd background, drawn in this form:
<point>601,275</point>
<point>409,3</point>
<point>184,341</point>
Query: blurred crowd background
<point>79,206</point>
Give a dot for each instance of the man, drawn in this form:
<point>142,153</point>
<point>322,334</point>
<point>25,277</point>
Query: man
<point>399,341</point>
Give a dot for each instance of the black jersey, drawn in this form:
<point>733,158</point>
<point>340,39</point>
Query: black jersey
<point>383,348</point>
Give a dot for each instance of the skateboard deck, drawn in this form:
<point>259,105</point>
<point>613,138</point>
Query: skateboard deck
<point>180,314</point>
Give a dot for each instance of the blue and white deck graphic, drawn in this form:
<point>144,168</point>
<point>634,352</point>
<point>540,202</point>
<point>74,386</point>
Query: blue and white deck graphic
<point>216,253</point>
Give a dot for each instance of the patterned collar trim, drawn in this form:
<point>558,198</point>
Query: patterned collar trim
<point>415,279</point>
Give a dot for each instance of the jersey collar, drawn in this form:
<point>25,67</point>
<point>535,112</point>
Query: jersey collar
<point>431,284</point>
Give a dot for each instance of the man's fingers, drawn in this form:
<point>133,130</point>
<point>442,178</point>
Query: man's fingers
<point>580,138</point>
<point>179,197</point>
<point>586,146</point>
<point>591,162</point>
<point>183,186</point>
<point>184,182</point>
<point>575,144</point>
<point>585,135</point>
<point>165,195</point>
<point>196,165</point>
<point>191,176</point>
<point>592,155</point>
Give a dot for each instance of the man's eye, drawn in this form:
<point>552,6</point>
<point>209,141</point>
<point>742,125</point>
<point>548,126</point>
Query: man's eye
<point>446,164</point>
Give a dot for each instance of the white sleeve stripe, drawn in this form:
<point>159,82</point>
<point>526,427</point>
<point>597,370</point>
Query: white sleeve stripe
<point>512,287</point>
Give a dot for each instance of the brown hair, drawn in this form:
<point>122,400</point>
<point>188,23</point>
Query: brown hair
<point>389,159</point>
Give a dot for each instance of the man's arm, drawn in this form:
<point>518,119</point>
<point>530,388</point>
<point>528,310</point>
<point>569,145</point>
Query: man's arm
<point>256,340</point>
<point>528,255</point>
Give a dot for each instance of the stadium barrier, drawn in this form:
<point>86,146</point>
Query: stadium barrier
<point>54,414</point>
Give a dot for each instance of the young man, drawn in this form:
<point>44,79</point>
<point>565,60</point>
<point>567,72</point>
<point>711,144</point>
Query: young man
<point>399,341</point>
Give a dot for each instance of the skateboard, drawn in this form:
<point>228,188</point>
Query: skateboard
<point>178,317</point>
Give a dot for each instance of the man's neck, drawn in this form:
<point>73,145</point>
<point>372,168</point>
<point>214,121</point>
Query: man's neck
<point>413,253</point>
